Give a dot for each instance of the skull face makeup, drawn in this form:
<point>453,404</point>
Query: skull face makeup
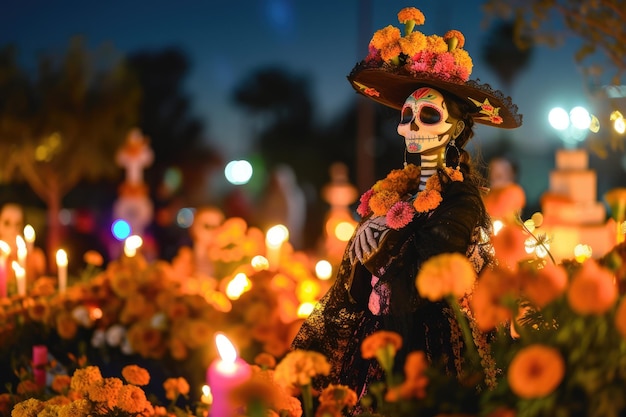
<point>425,122</point>
<point>11,223</point>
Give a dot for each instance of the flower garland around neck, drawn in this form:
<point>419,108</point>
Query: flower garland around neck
<point>388,197</point>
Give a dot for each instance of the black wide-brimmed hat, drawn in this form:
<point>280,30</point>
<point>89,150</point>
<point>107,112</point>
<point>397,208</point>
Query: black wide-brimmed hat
<point>398,65</point>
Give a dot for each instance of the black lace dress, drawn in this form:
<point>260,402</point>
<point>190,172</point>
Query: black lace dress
<point>382,293</point>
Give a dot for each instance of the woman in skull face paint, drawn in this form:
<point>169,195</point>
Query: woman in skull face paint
<point>429,207</point>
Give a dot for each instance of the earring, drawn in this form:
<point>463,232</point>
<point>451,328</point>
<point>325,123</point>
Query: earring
<point>453,155</point>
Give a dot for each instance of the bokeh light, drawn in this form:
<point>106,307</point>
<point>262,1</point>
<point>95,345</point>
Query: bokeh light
<point>184,217</point>
<point>580,118</point>
<point>558,118</point>
<point>120,229</point>
<point>323,269</point>
<point>238,172</point>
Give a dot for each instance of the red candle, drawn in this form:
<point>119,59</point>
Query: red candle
<point>40,360</point>
<point>226,373</point>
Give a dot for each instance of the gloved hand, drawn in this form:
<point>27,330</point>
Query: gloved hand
<point>368,237</point>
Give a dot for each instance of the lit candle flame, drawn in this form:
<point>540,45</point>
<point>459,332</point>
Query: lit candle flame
<point>5,249</point>
<point>61,258</point>
<point>29,233</point>
<point>225,348</point>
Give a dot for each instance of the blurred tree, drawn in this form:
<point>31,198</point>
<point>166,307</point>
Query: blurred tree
<point>64,123</point>
<point>165,111</point>
<point>598,23</point>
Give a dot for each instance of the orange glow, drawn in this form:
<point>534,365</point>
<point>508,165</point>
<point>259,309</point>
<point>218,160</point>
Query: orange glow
<point>305,310</point>
<point>237,286</point>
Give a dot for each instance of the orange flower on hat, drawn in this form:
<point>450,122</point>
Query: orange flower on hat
<point>592,290</point>
<point>411,13</point>
<point>536,371</point>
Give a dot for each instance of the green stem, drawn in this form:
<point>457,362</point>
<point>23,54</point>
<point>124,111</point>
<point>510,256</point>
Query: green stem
<point>307,398</point>
<point>470,346</point>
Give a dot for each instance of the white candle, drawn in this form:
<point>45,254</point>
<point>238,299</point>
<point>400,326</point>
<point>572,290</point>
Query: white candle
<point>274,239</point>
<point>225,374</point>
<point>29,236</point>
<point>22,251</point>
<point>20,278</point>
<point>62,270</point>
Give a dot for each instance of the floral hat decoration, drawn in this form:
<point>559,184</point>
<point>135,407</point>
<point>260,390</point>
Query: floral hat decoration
<point>398,65</point>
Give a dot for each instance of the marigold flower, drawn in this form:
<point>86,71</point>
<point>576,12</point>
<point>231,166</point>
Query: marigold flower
<point>427,200</point>
<point>491,296</point>
<point>105,391</point>
<point>445,274</point>
<point>544,285</point>
<point>136,375</point>
<point>509,246</point>
<point>93,257</point>
<point>592,290</point>
<point>27,408</point>
<point>83,378</point>
<point>298,368</point>
<point>380,339</point>
<point>411,13</point>
<point>28,387</point>
<point>132,399</point>
<point>382,201</point>
<point>61,383</point>
<point>536,371</point>
<point>385,36</point>
<point>339,396</point>
<point>455,35</point>
<point>66,325</point>
<point>415,382</point>
<point>175,387</point>
<point>265,360</point>
<point>328,410</point>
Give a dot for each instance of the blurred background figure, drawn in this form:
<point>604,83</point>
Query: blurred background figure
<point>506,198</point>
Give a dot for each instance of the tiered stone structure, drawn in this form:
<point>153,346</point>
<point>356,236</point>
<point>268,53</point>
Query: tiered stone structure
<point>572,213</point>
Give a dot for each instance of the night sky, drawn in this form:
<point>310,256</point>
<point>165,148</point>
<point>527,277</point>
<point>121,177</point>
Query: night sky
<point>227,40</point>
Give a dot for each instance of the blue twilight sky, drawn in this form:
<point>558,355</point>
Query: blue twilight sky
<point>227,39</point>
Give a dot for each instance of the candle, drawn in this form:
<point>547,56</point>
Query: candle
<point>5,250</point>
<point>29,237</point>
<point>22,251</point>
<point>224,374</point>
<point>207,397</point>
<point>20,278</point>
<point>62,270</point>
<point>40,360</point>
<point>274,239</point>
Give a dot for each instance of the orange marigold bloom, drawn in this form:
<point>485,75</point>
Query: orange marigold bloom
<point>411,13</point>
<point>299,367</point>
<point>339,396</point>
<point>93,257</point>
<point>28,387</point>
<point>416,381</point>
<point>132,399</point>
<point>66,325</point>
<point>61,383</point>
<point>175,387</point>
<point>105,391</point>
<point>509,246</point>
<point>488,302</point>
<point>136,375</point>
<point>536,371</point>
<point>544,285</point>
<point>445,274</point>
<point>390,51</point>
<point>455,34</point>
<point>382,201</point>
<point>427,200</point>
<point>379,340</point>
<point>454,174</point>
<point>328,410</point>
<point>385,36</point>
<point>38,310</point>
<point>83,378</point>
<point>27,408</point>
<point>436,44</point>
<point>592,290</point>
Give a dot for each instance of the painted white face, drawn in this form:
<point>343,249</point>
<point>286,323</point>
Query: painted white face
<point>424,121</point>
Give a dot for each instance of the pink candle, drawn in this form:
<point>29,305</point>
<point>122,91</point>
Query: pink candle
<point>40,360</point>
<point>224,375</point>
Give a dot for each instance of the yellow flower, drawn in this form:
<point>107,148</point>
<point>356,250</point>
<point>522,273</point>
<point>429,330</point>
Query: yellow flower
<point>455,37</point>
<point>445,274</point>
<point>412,43</point>
<point>136,375</point>
<point>536,371</point>
<point>298,368</point>
<point>77,408</point>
